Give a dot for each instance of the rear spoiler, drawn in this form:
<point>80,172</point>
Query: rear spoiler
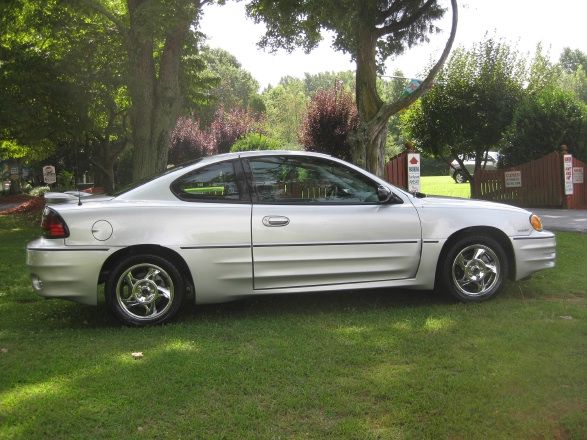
<point>65,197</point>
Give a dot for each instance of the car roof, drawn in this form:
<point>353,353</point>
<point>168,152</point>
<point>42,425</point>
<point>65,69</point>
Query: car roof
<point>256,153</point>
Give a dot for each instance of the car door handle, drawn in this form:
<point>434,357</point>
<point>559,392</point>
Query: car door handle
<point>273,221</point>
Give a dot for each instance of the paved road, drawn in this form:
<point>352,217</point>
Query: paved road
<point>563,219</point>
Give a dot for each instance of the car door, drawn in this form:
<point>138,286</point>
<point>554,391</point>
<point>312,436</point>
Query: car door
<point>317,222</point>
<point>214,224</point>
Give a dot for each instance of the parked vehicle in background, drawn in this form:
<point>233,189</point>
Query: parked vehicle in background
<point>490,161</point>
<point>269,222</point>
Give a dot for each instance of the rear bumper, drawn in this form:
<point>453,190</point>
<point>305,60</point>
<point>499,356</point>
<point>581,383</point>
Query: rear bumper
<point>534,253</point>
<point>59,271</point>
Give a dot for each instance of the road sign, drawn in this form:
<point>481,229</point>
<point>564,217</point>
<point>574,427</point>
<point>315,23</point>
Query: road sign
<point>49,174</point>
<point>568,173</point>
<point>413,172</point>
<point>513,179</point>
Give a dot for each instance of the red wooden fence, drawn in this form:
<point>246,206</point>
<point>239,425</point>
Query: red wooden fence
<point>396,170</point>
<point>541,184</point>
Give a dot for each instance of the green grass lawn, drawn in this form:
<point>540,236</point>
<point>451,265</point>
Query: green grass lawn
<point>444,186</point>
<point>378,364</point>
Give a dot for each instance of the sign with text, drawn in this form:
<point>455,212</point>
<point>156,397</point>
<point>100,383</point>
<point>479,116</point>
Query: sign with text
<point>513,179</point>
<point>578,174</point>
<point>568,173</point>
<point>413,172</point>
<point>49,174</point>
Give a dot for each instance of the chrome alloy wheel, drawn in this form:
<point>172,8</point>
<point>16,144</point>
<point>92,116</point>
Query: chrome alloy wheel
<point>476,270</point>
<point>145,291</point>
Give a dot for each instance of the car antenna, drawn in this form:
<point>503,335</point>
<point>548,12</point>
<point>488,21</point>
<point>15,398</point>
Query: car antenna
<point>79,196</point>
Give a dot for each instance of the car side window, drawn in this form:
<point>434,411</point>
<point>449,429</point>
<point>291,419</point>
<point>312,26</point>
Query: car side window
<point>217,182</point>
<point>303,180</point>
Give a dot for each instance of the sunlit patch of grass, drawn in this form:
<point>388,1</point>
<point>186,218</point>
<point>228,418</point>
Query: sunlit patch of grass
<point>444,186</point>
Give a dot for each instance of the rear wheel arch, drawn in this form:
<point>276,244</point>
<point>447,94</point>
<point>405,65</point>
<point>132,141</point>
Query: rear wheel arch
<point>113,260</point>
<point>489,231</point>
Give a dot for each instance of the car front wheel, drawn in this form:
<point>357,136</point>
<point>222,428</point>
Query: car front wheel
<point>459,177</point>
<point>474,269</point>
<point>144,290</point>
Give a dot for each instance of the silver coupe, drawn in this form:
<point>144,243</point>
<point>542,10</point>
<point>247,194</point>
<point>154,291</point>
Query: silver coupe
<point>258,223</point>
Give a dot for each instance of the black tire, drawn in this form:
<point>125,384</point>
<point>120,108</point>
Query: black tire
<point>144,290</point>
<point>459,177</point>
<point>474,269</point>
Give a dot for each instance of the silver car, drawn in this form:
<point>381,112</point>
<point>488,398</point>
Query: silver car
<point>275,222</point>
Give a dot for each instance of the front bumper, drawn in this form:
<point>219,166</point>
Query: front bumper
<point>533,253</point>
<point>68,272</point>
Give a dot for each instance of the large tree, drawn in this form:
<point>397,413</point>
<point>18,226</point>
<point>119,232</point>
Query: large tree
<point>156,35</point>
<point>370,31</point>
<point>472,104</point>
<point>61,87</point>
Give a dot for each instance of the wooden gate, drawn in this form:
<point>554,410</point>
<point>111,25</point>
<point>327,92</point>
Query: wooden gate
<point>538,183</point>
<point>396,170</point>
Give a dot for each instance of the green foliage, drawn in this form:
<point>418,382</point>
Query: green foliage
<point>65,180</point>
<point>292,24</point>
<point>256,141</point>
<point>571,60</point>
<point>39,191</point>
<point>543,122</point>
<point>471,104</point>
<point>231,86</point>
<point>285,108</point>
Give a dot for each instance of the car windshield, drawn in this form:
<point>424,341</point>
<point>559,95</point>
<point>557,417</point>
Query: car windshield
<point>140,182</point>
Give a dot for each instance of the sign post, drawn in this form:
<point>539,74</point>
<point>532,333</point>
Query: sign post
<point>413,172</point>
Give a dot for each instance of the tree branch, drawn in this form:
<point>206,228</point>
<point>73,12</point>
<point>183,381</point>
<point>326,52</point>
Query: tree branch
<point>393,9</point>
<point>98,7</point>
<point>390,108</point>
<point>405,22</point>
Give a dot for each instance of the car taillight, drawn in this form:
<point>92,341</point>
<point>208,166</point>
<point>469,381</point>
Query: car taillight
<point>53,225</point>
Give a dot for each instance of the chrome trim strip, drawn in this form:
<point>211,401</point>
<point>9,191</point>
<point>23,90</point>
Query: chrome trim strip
<point>218,246</point>
<point>68,249</point>
<point>533,238</point>
<point>347,243</point>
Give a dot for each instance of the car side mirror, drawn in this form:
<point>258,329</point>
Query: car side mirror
<point>385,195</point>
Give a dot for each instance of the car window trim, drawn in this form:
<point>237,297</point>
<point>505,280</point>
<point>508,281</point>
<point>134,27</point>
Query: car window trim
<point>244,193</point>
<point>255,198</point>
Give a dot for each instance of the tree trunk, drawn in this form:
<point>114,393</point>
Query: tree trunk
<point>370,144</point>
<point>154,90</point>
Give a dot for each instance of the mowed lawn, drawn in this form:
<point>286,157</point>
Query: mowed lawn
<point>381,364</point>
<point>444,186</point>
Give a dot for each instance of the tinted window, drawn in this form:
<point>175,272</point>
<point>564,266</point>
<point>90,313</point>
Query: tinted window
<point>216,182</point>
<point>309,180</point>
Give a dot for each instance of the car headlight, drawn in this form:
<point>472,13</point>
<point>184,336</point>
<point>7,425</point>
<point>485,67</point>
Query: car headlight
<point>536,222</point>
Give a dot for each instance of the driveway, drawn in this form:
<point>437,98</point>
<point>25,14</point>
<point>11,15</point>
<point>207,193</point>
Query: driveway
<point>563,219</point>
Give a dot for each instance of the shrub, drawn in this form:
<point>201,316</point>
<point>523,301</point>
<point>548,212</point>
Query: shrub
<point>331,117</point>
<point>190,141</point>
<point>256,141</point>
<point>39,191</point>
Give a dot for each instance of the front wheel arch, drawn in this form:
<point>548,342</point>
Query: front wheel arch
<point>491,232</point>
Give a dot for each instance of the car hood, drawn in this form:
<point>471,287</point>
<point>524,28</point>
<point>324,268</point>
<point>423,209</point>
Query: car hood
<point>456,202</point>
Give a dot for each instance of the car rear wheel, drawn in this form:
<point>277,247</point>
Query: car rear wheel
<point>144,290</point>
<point>474,268</point>
<point>459,176</point>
